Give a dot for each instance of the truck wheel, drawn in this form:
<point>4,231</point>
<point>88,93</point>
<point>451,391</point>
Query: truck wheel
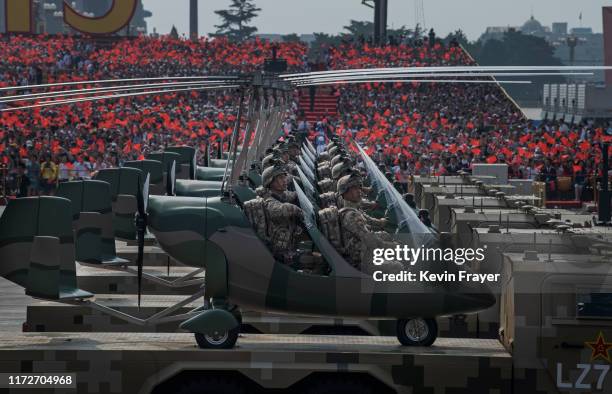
<point>218,340</point>
<point>417,331</point>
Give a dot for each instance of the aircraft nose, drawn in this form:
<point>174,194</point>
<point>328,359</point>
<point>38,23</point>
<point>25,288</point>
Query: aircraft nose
<point>483,300</point>
<point>470,302</point>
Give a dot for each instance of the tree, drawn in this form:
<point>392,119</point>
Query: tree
<point>174,33</point>
<point>235,20</point>
<point>291,38</point>
<point>365,29</point>
<point>517,49</point>
<point>457,36</point>
<point>360,28</point>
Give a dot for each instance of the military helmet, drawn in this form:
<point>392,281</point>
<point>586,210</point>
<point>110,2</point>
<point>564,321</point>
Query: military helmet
<point>339,169</point>
<point>272,172</point>
<point>291,142</point>
<point>271,158</point>
<point>338,158</point>
<point>346,182</point>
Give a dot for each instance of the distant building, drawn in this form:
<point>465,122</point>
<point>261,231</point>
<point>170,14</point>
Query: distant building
<point>559,28</point>
<point>588,49</point>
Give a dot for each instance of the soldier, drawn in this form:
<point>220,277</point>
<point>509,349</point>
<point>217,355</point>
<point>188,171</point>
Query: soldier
<point>292,150</point>
<point>358,239</point>
<point>284,219</point>
<point>286,196</point>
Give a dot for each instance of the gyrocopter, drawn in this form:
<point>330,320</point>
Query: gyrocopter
<point>196,215</point>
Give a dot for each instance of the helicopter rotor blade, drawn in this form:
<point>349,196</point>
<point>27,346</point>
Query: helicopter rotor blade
<point>466,81</point>
<point>114,96</point>
<point>105,81</point>
<point>62,94</point>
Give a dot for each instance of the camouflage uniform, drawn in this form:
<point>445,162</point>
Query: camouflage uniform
<point>283,218</point>
<point>324,170</point>
<point>284,226</point>
<point>333,198</point>
<point>358,240</point>
<point>292,167</point>
<point>326,185</point>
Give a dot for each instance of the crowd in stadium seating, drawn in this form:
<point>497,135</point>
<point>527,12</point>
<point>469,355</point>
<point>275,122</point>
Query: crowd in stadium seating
<point>442,128</point>
<point>44,146</point>
<point>410,128</point>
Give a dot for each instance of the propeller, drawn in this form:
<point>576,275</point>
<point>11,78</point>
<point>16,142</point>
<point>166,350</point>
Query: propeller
<point>142,201</point>
<point>171,179</point>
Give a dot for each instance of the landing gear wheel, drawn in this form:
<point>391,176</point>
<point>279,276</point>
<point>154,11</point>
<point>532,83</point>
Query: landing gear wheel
<point>417,331</point>
<point>218,340</point>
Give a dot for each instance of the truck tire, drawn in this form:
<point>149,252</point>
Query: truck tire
<point>225,340</point>
<point>417,331</point>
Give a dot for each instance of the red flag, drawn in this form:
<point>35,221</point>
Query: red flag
<point>550,140</point>
<point>523,140</point>
<point>435,146</point>
<point>566,142</point>
<point>584,146</point>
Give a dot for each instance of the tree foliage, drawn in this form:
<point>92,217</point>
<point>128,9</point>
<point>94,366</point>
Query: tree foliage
<point>457,36</point>
<point>235,20</point>
<point>359,28</point>
<point>291,38</point>
<point>518,49</point>
<point>365,29</point>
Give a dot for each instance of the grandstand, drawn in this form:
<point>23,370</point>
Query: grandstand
<point>424,124</point>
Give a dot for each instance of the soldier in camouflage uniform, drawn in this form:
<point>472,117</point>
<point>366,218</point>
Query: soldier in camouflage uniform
<point>334,198</point>
<point>358,239</point>
<point>292,150</point>
<point>329,184</point>
<point>286,196</point>
<point>284,219</point>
